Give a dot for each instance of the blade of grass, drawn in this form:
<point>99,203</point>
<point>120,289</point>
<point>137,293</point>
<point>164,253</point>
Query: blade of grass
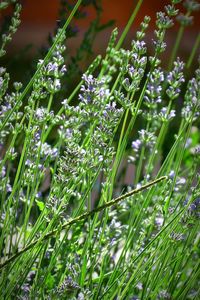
<point>82,217</point>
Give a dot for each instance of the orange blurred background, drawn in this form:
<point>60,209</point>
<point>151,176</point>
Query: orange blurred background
<point>39,17</point>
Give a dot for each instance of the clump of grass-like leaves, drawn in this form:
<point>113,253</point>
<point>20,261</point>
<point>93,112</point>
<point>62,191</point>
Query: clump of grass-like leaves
<point>71,227</point>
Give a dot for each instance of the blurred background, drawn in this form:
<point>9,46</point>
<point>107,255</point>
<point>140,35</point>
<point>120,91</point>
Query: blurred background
<point>40,18</point>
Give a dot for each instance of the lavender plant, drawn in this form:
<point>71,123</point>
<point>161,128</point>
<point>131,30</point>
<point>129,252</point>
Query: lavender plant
<point>71,227</point>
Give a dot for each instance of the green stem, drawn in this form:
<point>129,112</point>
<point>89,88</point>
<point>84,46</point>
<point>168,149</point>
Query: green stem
<point>36,181</point>
<point>177,166</point>
<point>139,167</point>
<point>128,26</point>
<point>47,57</point>
<point>176,46</point>
<point>124,33</point>
<point>11,145</point>
<point>176,218</point>
<point>159,140</point>
<point>16,181</point>
<point>91,68</point>
<point>82,217</point>
<point>194,50</point>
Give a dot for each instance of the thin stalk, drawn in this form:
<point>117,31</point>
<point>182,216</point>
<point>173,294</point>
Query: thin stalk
<point>3,197</point>
<point>47,57</point>
<point>189,282</point>
<point>177,44</point>
<point>159,140</point>
<point>194,50</point>
<point>82,217</point>
<point>140,163</point>
<point>129,24</point>
<point>126,30</point>
<point>16,181</point>
<point>91,69</point>
<point>141,269</point>
<point>136,222</point>
<point>177,167</point>
<point>11,145</point>
<point>122,147</point>
<point>39,268</point>
<point>176,218</point>
<point>36,182</point>
<point>123,127</point>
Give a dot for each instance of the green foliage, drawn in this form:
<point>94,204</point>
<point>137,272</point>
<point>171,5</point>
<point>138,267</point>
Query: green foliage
<point>102,210</point>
